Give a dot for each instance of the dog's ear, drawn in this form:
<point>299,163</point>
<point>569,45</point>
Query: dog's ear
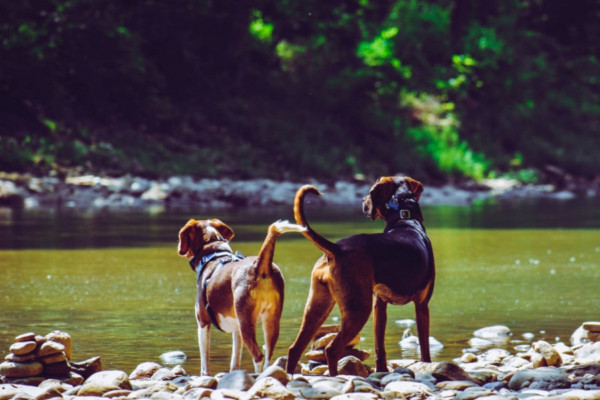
<point>222,228</point>
<point>379,194</point>
<point>185,237</point>
<point>415,186</point>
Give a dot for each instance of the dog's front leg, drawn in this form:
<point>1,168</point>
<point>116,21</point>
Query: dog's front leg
<point>422,311</point>
<point>379,322</point>
<point>203,341</point>
<point>236,351</point>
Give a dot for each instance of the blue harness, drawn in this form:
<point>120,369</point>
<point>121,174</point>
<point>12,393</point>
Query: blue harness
<point>198,266</point>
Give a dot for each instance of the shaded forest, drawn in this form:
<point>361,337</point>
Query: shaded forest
<point>284,89</point>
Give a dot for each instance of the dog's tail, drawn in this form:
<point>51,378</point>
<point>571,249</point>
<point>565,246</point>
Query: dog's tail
<point>329,248</point>
<point>265,255</point>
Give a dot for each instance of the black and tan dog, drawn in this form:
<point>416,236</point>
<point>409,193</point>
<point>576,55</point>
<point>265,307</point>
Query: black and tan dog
<point>394,267</point>
<point>234,292</point>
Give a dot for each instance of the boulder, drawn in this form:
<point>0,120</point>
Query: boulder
<point>549,356</point>
<point>21,370</point>
<point>48,348</point>
<point>406,389</point>
<point>545,378</point>
<point>236,380</point>
<point>351,365</point>
<point>144,370</point>
<point>275,372</point>
<point>270,387</point>
<point>447,371</point>
<point>104,381</point>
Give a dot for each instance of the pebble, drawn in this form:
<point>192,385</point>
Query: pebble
<point>494,374</point>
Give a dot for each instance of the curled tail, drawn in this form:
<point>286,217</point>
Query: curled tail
<point>264,261</point>
<point>329,248</point>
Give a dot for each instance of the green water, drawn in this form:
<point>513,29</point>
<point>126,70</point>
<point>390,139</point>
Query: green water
<point>114,280</point>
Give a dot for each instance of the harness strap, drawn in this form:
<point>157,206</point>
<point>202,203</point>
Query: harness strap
<point>199,268</point>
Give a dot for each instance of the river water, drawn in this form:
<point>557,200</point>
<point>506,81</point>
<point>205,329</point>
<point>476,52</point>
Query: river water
<point>114,280</point>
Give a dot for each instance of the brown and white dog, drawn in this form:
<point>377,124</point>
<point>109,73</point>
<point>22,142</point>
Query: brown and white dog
<point>234,292</point>
<point>395,267</point>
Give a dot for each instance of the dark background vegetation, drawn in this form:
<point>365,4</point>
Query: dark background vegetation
<point>444,89</point>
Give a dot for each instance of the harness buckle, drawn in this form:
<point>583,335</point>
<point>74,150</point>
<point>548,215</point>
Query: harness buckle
<point>404,214</point>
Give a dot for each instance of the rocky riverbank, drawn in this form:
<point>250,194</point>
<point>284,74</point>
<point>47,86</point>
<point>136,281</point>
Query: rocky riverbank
<point>89,191</point>
<point>537,371</point>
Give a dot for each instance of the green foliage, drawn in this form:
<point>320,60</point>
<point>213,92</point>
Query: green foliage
<point>287,89</point>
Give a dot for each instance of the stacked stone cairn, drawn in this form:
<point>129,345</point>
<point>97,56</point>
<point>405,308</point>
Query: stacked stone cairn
<point>35,358</point>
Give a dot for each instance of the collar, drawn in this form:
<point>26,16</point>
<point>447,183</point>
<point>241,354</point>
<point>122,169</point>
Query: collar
<point>397,205</point>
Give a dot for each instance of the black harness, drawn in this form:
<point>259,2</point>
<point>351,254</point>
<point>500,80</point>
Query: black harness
<point>198,265</point>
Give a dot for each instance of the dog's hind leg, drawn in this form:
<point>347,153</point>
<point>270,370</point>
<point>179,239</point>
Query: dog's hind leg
<point>270,324</point>
<point>422,311</point>
<point>318,307</point>
<point>236,351</point>
<point>203,342</point>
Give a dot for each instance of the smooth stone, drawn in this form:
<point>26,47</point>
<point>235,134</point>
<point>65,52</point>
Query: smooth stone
<point>468,358</point>
<point>156,387</point>
<point>144,370</point>
<point>318,393</point>
<point>87,367</point>
<point>473,393</point>
<point>173,357</point>
<point>324,340</point>
<point>16,391</point>
<point>53,358</point>
<point>270,387</point>
<point>588,353</point>
<point>447,371</point>
<point>25,337</point>
<point>197,393</point>
<point>319,355</point>
<point>395,376</point>
<point>20,359</point>
<point>117,393</point>
<point>203,382</point>
<point>276,372</point>
<point>454,385</point>
<point>406,389</point>
<point>22,348</point>
<point>493,332</point>
<point>545,378</point>
<point>48,348</point>
<point>21,370</point>
<point>591,326</point>
<point>576,394</point>
<point>236,380</point>
<point>166,396</point>
<point>104,381</point>
<point>351,365</point>
<point>63,338</point>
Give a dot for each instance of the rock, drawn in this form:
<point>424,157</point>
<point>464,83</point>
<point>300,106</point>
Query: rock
<point>495,333</point>
<point>404,389</point>
<point>59,369</point>
<point>48,348</point>
<point>351,365</point>
<point>275,372</point>
<point>588,353</point>
<point>63,338</point>
<point>356,396</point>
<point>447,371</point>
<point>295,385</point>
<point>549,356</point>
<point>236,380</point>
<point>454,385</point>
<point>20,359</point>
<point>319,355</point>
<point>576,395</point>
<point>104,381</point>
<point>207,382</point>
<point>318,393</point>
<point>173,357</point>
<point>22,348</point>
<point>270,387</point>
<point>197,393</point>
<point>156,387</point>
<point>25,337</point>
<point>53,358</point>
<point>545,378</point>
<point>21,370</point>
<point>144,370</point>
<point>87,367</point>
<point>587,332</point>
<point>11,391</point>
<point>324,340</point>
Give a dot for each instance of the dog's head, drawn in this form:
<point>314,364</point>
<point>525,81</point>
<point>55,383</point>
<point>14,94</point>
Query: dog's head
<point>374,204</point>
<point>196,234</point>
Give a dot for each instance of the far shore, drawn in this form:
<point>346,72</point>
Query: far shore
<point>134,192</point>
